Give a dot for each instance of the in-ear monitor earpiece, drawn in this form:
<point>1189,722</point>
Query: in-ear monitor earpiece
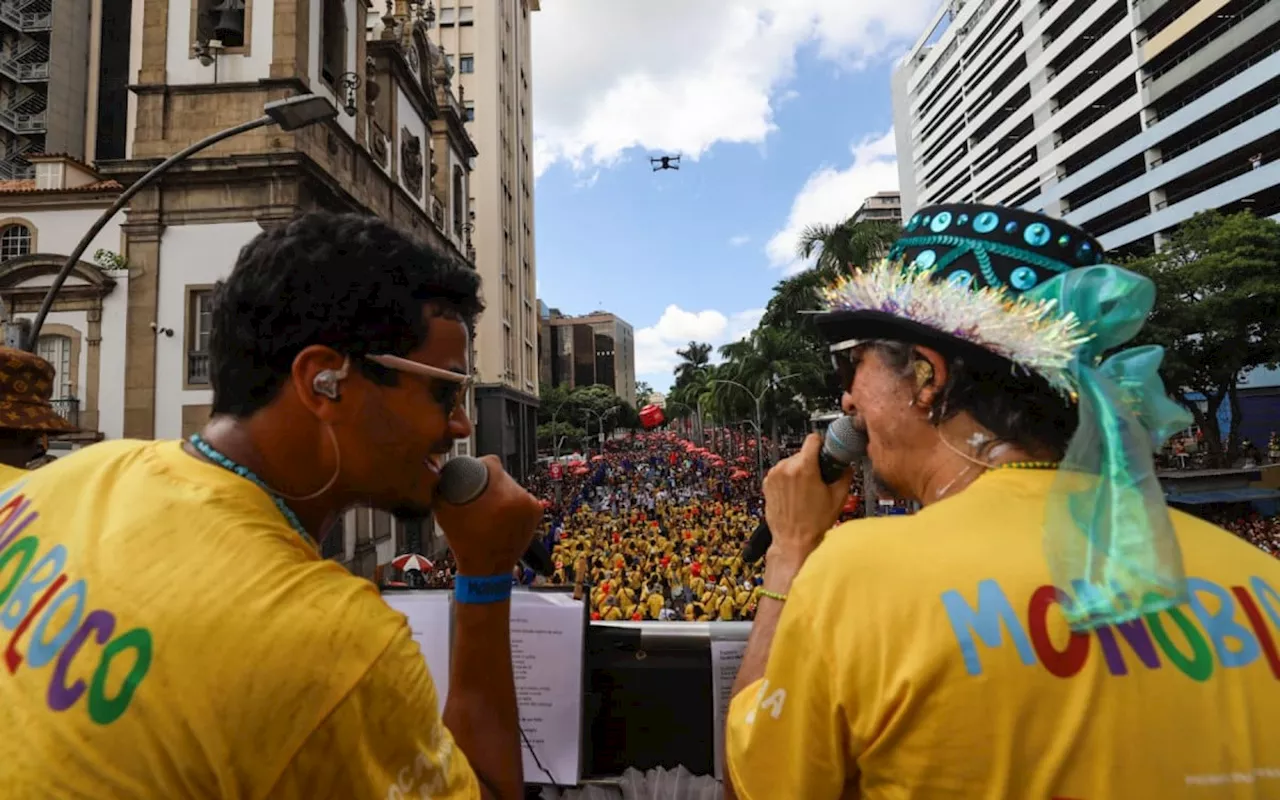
<point>326,381</point>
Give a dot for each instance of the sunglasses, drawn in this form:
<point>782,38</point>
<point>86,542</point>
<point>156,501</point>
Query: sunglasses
<point>845,358</point>
<point>447,386</point>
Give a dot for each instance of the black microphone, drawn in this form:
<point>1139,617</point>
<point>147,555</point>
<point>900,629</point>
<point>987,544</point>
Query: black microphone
<point>844,446</point>
<point>462,480</point>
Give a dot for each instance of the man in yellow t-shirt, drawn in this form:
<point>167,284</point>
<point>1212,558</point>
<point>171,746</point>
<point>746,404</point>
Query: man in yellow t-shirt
<point>973,650</point>
<point>171,631</point>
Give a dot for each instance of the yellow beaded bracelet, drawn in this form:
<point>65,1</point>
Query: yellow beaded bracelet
<point>781,598</point>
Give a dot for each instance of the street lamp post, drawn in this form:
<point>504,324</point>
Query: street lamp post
<point>758,398</point>
<point>555,437</point>
<point>290,114</point>
<point>600,417</point>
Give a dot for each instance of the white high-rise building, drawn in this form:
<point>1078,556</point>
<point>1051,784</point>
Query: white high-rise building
<point>1125,118</point>
<point>488,42</point>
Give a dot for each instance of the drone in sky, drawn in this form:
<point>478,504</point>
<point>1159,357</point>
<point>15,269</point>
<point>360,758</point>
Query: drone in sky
<point>665,162</point>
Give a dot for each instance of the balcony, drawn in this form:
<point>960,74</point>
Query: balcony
<point>14,165</point>
<point>27,16</point>
<point>198,368</point>
<point>69,409</point>
<point>29,63</point>
<point>23,124</point>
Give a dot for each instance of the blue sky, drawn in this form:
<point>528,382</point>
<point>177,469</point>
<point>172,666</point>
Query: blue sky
<point>782,120</point>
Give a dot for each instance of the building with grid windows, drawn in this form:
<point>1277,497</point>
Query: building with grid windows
<point>594,349</point>
<point>1125,118</point>
<point>880,207</point>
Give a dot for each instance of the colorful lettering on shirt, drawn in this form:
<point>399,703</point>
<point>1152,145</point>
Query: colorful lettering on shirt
<point>1230,628</point>
<point>45,613</point>
<point>993,611</point>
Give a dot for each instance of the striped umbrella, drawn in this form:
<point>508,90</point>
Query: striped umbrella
<point>411,561</point>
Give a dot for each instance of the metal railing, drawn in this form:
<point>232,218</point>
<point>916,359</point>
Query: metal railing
<point>1174,152</point>
<point>15,14</point>
<point>28,64</point>
<point>198,367</point>
<point>1190,50</point>
<point>68,408</point>
<point>24,123</point>
<point>14,165</point>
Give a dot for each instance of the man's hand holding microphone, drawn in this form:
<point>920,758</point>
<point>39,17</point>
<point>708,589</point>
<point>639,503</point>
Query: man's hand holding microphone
<point>489,521</point>
<point>800,506</point>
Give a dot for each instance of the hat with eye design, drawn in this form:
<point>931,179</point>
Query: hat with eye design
<point>961,279</point>
<point>1028,291</point>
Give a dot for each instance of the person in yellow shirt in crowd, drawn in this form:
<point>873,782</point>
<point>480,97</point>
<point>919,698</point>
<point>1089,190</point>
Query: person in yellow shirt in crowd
<point>173,630</point>
<point>684,553</point>
<point>27,416</point>
<point>1045,627</point>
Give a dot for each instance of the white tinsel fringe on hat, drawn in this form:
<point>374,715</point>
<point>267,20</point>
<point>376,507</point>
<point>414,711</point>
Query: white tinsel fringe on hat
<point>1033,334</point>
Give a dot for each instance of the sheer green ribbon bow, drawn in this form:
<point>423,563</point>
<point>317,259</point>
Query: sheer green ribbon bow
<point>1110,543</point>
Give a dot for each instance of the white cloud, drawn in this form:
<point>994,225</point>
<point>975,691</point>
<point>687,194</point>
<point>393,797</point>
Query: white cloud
<point>657,344</point>
<point>831,195</point>
<point>739,241</point>
<point>680,76</point>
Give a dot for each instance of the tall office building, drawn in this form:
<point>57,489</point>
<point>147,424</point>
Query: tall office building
<point>596,348</point>
<point>44,76</point>
<point>880,207</point>
<point>1125,118</point>
<point>488,43</point>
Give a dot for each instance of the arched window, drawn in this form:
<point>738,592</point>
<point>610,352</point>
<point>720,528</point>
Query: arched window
<point>459,199</point>
<point>15,240</point>
<point>56,349</point>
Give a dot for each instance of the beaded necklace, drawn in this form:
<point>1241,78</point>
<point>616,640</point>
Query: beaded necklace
<point>1028,465</point>
<point>207,450</point>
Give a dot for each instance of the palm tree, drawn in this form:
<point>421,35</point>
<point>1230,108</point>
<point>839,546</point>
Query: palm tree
<point>838,248</point>
<point>848,244</point>
<point>773,364</point>
<point>695,357</point>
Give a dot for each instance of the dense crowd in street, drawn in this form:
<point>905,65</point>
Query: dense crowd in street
<point>653,529</point>
<point>1263,532</point>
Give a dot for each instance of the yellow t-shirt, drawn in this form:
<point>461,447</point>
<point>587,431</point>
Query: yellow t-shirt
<point>10,474</point>
<point>169,635</point>
<point>925,657</point>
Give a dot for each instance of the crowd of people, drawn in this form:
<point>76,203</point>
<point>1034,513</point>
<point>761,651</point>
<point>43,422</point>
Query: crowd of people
<point>1262,532</point>
<point>653,529</point>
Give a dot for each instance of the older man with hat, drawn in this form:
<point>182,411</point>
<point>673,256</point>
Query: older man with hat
<point>27,416</point>
<point>1045,627</point>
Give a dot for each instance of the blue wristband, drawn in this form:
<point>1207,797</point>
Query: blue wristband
<point>481,591</point>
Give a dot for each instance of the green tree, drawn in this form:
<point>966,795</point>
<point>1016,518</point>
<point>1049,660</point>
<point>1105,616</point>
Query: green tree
<point>1217,313</point>
<point>695,356</point>
<point>837,248</point>
<point>776,365</point>
<point>644,392</point>
<point>585,411</point>
<point>559,436</point>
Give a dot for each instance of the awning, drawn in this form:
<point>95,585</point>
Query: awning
<point>1246,495</point>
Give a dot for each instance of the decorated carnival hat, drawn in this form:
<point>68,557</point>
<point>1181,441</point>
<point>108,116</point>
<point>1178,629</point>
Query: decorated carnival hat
<point>1012,287</point>
<point>958,281</point>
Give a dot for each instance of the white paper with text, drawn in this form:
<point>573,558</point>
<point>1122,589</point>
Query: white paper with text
<point>548,633</point>
<point>429,614</point>
<point>726,657</point>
